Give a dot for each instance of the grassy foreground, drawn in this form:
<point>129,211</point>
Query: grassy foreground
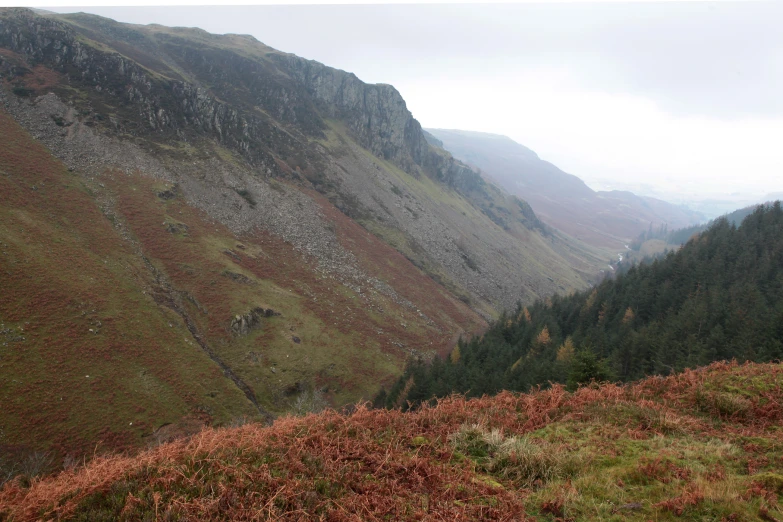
<point>706,444</point>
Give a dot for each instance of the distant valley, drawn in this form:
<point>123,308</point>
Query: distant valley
<point>605,219</point>
<point>238,284</point>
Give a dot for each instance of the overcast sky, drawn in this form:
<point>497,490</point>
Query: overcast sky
<point>680,97</point>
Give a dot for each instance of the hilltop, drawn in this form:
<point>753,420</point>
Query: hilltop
<point>701,445</point>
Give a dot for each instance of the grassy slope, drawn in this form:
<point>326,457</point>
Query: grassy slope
<point>65,269</point>
<point>702,445</point>
<point>86,352</point>
<point>340,345</point>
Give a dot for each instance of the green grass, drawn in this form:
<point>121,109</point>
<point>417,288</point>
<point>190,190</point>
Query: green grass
<point>69,274</point>
<point>330,353</point>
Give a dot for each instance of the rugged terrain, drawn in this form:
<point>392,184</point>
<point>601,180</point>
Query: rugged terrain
<point>197,229</point>
<point>702,445</point>
<point>235,114</point>
<point>602,218</point>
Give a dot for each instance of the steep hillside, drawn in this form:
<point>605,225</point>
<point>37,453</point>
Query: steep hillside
<point>719,297</point>
<point>198,228</point>
<point>128,314</point>
<point>608,219</point>
<point>80,331</point>
<point>702,445</point>
<point>182,102</point>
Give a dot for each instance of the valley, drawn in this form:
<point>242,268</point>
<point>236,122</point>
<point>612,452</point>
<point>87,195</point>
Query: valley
<point>239,284</point>
<point>212,244</point>
<point>562,200</point>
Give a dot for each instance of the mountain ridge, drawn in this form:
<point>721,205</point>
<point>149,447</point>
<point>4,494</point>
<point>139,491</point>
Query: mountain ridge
<point>286,154</point>
<point>602,218</point>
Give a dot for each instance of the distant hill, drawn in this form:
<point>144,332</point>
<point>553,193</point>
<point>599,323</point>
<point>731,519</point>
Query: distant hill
<point>681,236</point>
<point>604,218</point>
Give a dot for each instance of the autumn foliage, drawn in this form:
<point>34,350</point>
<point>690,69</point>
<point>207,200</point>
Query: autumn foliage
<point>386,464</point>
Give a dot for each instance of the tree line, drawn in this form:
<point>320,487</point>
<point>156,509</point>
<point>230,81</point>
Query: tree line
<point>718,297</point>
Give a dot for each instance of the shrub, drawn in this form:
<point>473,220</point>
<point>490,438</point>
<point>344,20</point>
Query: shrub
<point>23,91</point>
<point>770,481</point>
<point>723,404</point>
<point>587,367</point>
<point>519,459</point>
<point>529,463</point>
<point>470,440</point>
<point>309,402</point>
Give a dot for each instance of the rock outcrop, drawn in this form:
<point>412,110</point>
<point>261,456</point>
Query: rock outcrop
<point>294,90</point>
<point>243,324</point>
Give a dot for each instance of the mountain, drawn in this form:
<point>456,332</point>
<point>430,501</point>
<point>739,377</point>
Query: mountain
<point>604,218</point>
<point>719,297</point>
<point>199,229</point>
<point>701,445</point>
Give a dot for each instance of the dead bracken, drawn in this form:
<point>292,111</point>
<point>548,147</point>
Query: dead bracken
<point>507,457</point>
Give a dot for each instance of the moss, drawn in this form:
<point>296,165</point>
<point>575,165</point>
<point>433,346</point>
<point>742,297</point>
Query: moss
<point>771,481</point>
<point>489,481</point>
<point>419,441</point>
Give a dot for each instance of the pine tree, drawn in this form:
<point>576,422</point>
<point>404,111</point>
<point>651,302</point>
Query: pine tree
<point>718,297</point>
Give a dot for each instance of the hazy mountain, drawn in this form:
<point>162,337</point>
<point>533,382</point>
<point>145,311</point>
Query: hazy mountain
<point>604,218</point>
<point>197,228</point>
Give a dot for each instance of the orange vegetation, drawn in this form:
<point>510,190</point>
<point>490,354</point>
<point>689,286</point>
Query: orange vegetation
<point>379,464</point>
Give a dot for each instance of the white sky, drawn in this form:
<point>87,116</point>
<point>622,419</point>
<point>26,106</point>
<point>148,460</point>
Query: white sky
<point>666,97</point>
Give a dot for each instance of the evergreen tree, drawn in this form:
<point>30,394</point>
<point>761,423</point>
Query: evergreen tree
<point>719,297</point>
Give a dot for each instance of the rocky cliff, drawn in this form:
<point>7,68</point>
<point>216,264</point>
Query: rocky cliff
<point>162,88</point>
<point>155,97</point>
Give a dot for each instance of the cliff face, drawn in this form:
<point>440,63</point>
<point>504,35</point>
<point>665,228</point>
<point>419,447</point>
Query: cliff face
<point>281,87</point>
<point>376,114</point>
<point>145,102</point>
